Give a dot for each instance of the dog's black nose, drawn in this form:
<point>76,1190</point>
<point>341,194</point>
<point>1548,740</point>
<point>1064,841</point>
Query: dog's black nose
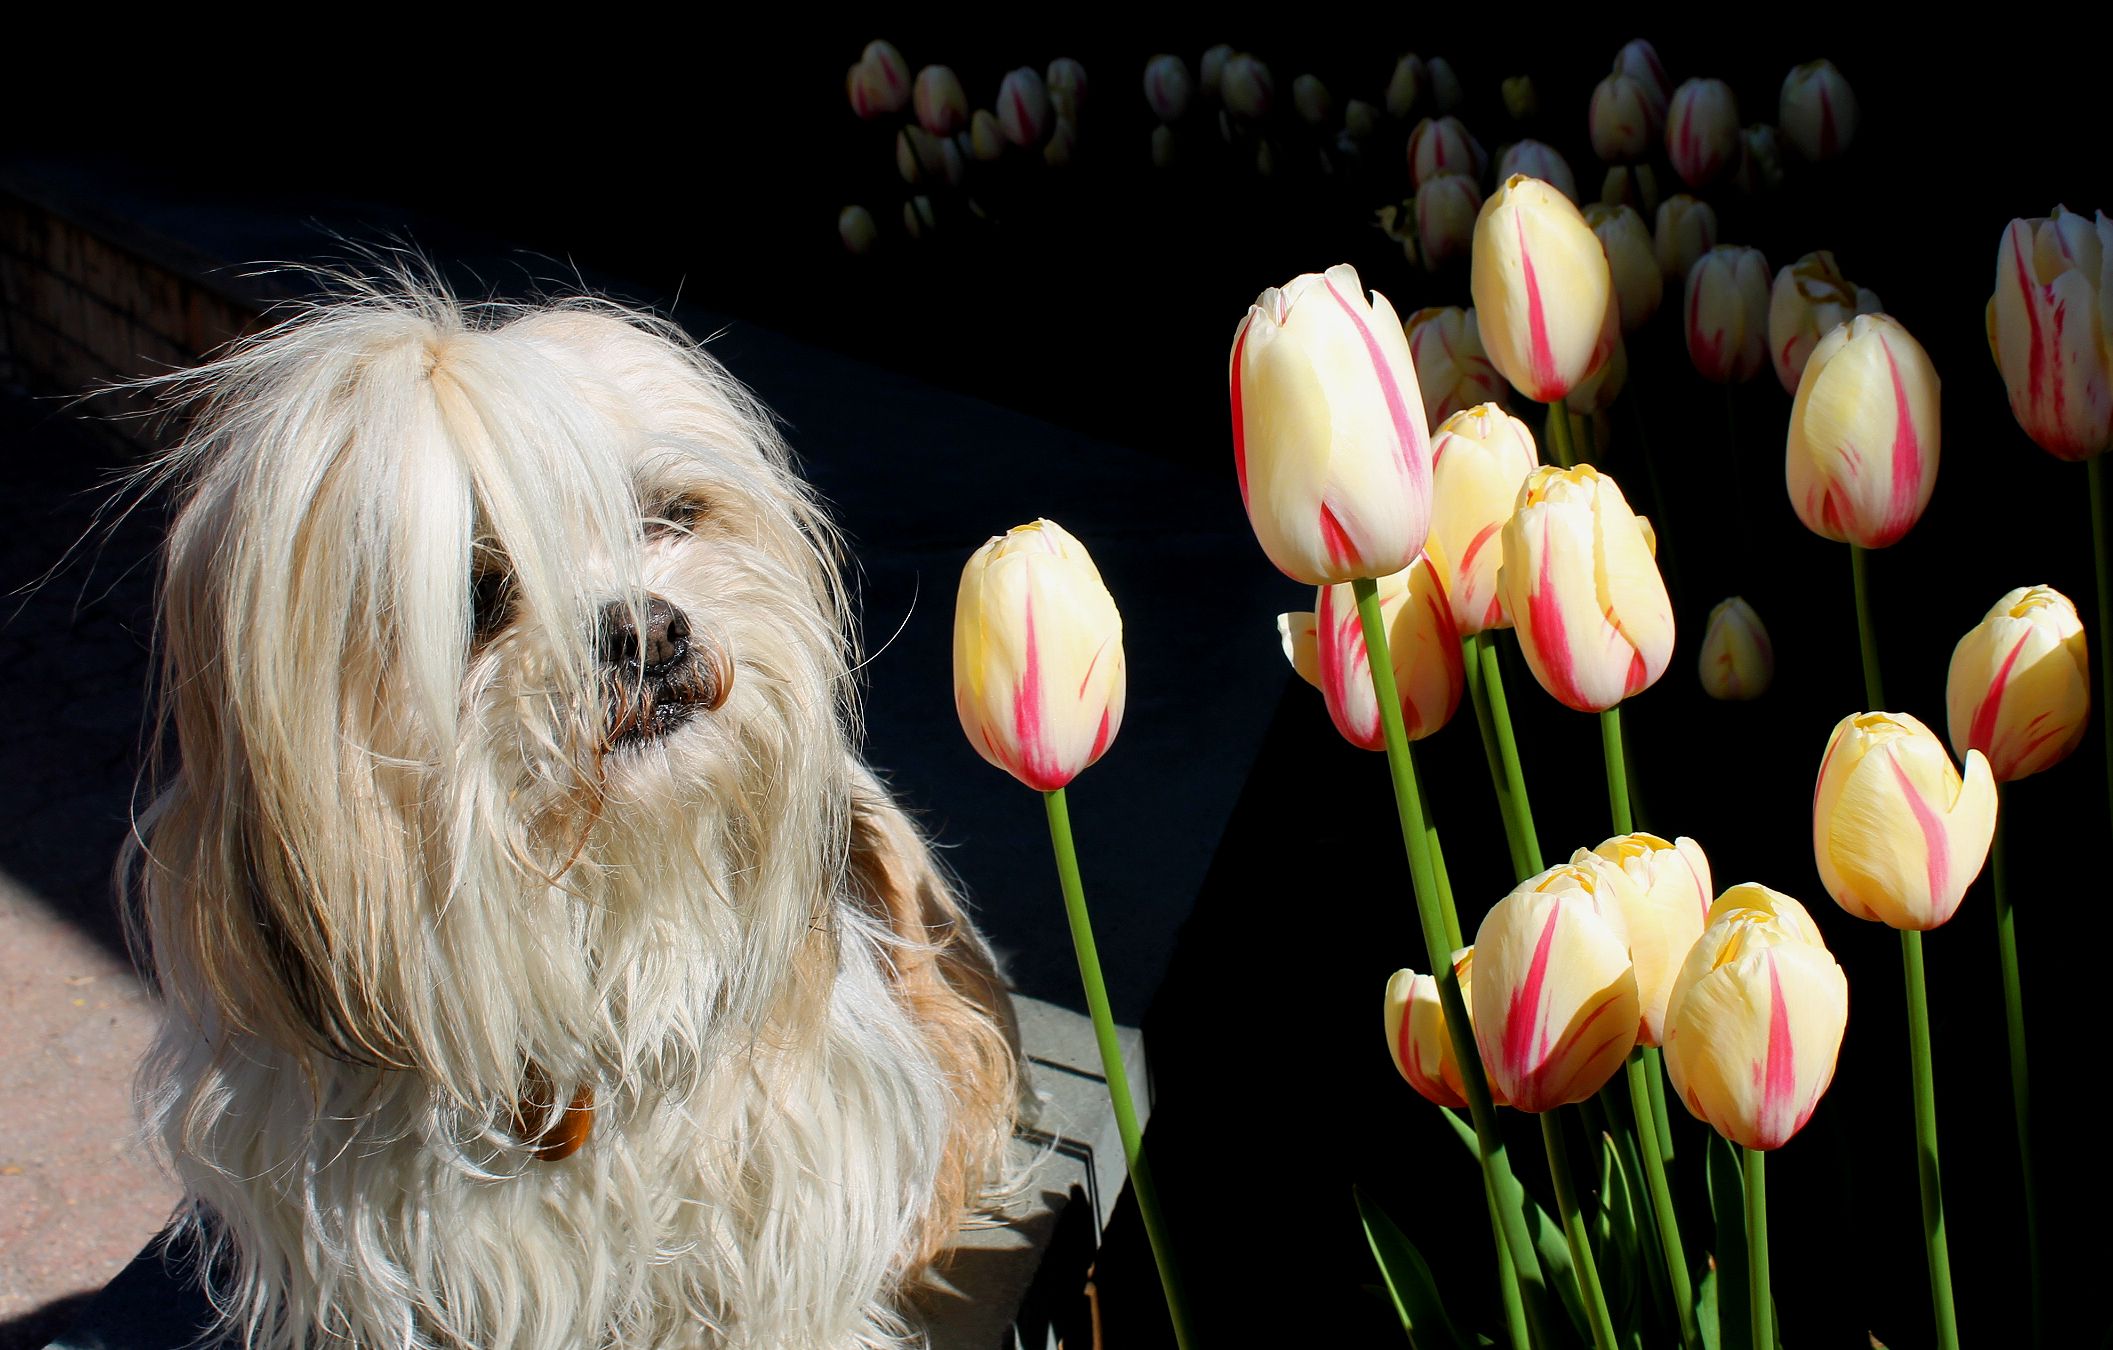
<point>663,644</point>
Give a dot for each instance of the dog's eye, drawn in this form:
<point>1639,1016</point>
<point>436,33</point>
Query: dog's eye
<point>491,596</point>
<point>676,515</point>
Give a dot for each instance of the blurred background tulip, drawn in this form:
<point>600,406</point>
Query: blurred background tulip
<point>986,135</point>
<point>1328,433</point>
<point>854,225</point>
<point>1417,1036</point>
<point>1452,369</point>
<point>1066,82</point>
<point>880,83</point>
<point>1817,110</point>
<point>1408,86</point>
<point>1760,168</point>
<point>1755,1020</point>
<point>941,102</point>
<point>1521,100</point>
<point>1327,648</point>
<point>1583,591</point>
<point>1038,656</point>
<point>1687,229</point>
<point>1446,207</point>
<point>1210,70</point>
<point>1639,61</point>
<point>1310,97</point>
<point>1360,119</point>
<point>1536,159</point>
<point>1632,185</point>
<point>2019,689</point>
<point>1446,92</point>
<point>1023,108</point>
<point>921,157</point>
<point>1165,147</point>
<point>1596,392</point>
<point>1062,145</point>
<point>1623,120</point>
<point>1726,314</point>
<point>1663,907</point>
<point>2050,326</point>
<point>1632,261</point>
<point>1555,1007</point>
<point>1247,87</point>
<point>1167,87</point>
<point>1862,450</point>
<point>1702,131</point>
<point>918,217</point>
<point>1898,833</point>
<point>1442,145</point>
<point>1810,299</point>
<point>1738,661</point>
<point>1541,287</point>
<point>1480,458</point>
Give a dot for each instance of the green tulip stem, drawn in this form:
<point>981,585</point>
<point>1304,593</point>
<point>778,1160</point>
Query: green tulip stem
<point>1415,838</point>
<point>2102,558</point>
<point>1648,1127</point>
<point>1515,1328</point>
<point>1595,1300</point>
<point>2020,1084</point>
<point>1582,434</point>
<point>1934,1243</point>
<point>1112,1064</point>
<point>1471,660</point>
<point>1617,769</point>
<point>1654,1071</point>
<point>1760,1308</point>
<point>1558,435</point>
<point>1866,636</point>
<point>1508,751</point>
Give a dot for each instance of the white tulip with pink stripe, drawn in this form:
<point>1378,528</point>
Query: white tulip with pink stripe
<point>1702,131</point>
<point>1452,369</point>
<point>1541,286</point>
<point>1327,648</point>
<point>1726,314</point>
<point>1817,110</point>
<point>2050,326</point>
<point>1329,439</point>
<point>1480,459</point>
<point>1898,833</point>
<point>1419,1039</point>
<point>1861,457</point>
<point>1442,145</point>
<point>1755,1020</point>
<point>1810,299</point>
<point>1663,907</point>
<point>2019,689</point>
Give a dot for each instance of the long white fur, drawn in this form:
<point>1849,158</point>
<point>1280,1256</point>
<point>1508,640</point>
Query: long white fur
<point>392,867</point>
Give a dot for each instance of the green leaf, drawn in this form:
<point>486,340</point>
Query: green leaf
<point>1408,1279</point>
<point>1619,1251</point>
<point>1727,1206</point>
<point>1547,1234</point>
<point>1706,1308</point>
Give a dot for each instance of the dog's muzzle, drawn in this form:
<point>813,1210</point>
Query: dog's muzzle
<point>656,673</point>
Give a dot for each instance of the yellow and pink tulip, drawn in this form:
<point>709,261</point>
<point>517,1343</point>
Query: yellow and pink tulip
<point>1541,286</point>
<point>1420,1041</point>
<point>1327,648</point>
<point>1861,458</point>
<point>1898,833</point>
<point>2050,326</point>
<point>1480,458</point>
<point>2019,689</point>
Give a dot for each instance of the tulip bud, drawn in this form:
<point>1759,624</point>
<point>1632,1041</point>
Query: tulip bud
<point>1899,835</point>
<point>1537,160</point>
<point>1406,87</point>
<point>1702,131</point>
<point>941,102</point>
<point>1445,218</point>
<point>1583,590</point>
<point>1023,108</point>
<point>1520,98</point>
<point>1760,170</point>
<point>1687,229</point>
<point>854,225</point>
<point>1164,151</point>
<point>2050,328</point>
<point>880,83</point>
<point>1541,286</point>
<point>1663,908</point>
<point>1727,314</point>
<point>1442,145</point>
<point>1639,61</point>
<point>1817,110</point>
<point>1247,87</point>
<point>1210,70</point>
<point>1632,185</point>
<point>1446,93</point>
<point>1737,660</point>
<point>1063,143</point>
<point>1360,119</point>
<point>1420,1041</point>
<point>922,157</point>
<point>1265,159</point>
<point>1632,262</point>
<point>1451,367</point>
<point>1480,458</point>
<point>1167,87</point>
<point>1328,431</point>
<point>1861,459</point>
<point>1327,649</point>
<point>1038,656</point>
<point>918,217</point>
<point>1597,391</point>
<point>2020,684</point>
<point>1755,1021</point>
<point>1312,100</point>
<point>1623,120</point>
<point>986,135</point>
<point>1066,82</point>
<point>1555,1009</point>
<point>1811,298</point>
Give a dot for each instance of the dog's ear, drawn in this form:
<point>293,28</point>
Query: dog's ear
<point>944,973</point>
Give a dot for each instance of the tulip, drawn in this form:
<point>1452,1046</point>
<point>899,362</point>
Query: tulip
<point>1817,110</point>
<point>1164,151</point>
<point>1862,451</point>
<point>1520,99</point>
<point>2019,690</point>
<point>1066,82</point>
<point>1023,108</point>
<point>1760,170</point>
<point>1755,1021</point>
<point>1555,1010</point>
<point>1687,229</point>
<point>1536,160</point>
<point>1063,143</point>
<point>1639,61</point>
<point>1167,87</point>
<point>918,217</point>
<point>1446,93</point>
<point>1360,119</point>
<point>1623,120</point>
<point>1737,661</point>
<point>1247,87</point>
<point>1210,69</point>
<point>1581,586</point>
<point>1541,287</point>
<point>1596,392</point>
<point>1632,262</point>
<point>1634,185</point>
<point>1898,833</point>
<point>1442,145</point>
<point>1311,98</point>
<point>1405,88</point>
<point>1328,432</point>
<point>1327,648</point>
<point>1446,207</point>
<point>880,83</point>
<point>1038,656</point>
<point>922,157</point>
<point>1417,1036</point>
<point>1480,458</point>
<point>2050,327</point>
<point>1702,131</point>
<point>1663,908</point>
<point>854,225</point>
<point>941,102</point>
<point>1810,299</point>
<point>1451,367</point>
<point>986,135</point>
<point>1727,314</point>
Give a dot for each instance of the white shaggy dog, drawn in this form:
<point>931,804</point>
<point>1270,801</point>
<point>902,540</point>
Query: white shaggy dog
<point>544,968</point>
